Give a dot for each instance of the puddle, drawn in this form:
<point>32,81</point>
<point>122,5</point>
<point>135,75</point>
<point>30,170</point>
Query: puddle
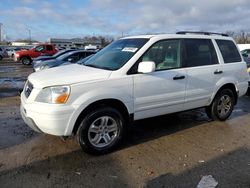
<point>11,86</point>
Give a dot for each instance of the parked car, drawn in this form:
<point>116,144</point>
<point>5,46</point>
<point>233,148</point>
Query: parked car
<point>46,57</point>
<point>135,78</point>
<point>245,52</point>
<point>3,53</point>
<point>71,57</point>
<point>248,91</point>
<point>26,56</point>
<point>11,51</point>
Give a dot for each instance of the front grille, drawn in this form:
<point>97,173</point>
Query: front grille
<point>28,89</point>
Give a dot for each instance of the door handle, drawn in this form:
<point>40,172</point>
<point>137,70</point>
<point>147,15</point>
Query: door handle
<point>218,72</point>
<point>178,77</point>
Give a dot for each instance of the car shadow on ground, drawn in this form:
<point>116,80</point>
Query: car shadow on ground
<point>153,128</point>
<point>231,170</point>
<point>77,169</point>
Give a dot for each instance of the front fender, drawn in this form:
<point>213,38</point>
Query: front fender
<point>123,93</point>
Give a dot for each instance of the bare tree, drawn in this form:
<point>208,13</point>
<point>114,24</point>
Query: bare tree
<point>242,37</point>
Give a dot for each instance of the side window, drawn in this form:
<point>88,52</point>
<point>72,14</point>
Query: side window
<point>73,58</point>
<point>82,55</point>
<point>165,54</point>
<point>49,48</point>
<point>199,52</point>
<point>40,48</point>
<point>229,51</point>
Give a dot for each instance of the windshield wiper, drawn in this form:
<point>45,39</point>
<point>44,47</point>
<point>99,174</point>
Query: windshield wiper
<point>98,67</point>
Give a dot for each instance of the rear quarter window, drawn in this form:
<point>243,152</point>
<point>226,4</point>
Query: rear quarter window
<point>229,51</point>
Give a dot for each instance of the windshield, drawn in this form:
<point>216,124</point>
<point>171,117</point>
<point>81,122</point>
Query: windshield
<point>82,61</point>
<point>114,56</point>
<point>59,53</point>
<point>64,56</point>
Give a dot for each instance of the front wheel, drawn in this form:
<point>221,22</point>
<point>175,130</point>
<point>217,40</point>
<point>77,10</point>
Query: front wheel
<point>25,60</point>
<point>101,130</point>
<point>222,105</point>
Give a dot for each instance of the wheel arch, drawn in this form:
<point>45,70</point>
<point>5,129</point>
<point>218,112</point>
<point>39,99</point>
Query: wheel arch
<point>114,103</point>
<point>24,56</point>
<point>227,86</point>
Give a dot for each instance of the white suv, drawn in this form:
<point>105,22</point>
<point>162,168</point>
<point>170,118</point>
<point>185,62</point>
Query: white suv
<point>135,78</point>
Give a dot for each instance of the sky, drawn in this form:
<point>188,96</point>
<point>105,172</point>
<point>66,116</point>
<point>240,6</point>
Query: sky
<point>78,18</point>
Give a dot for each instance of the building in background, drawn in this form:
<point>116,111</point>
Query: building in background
<point>24,43</point>
<point>88,43</point>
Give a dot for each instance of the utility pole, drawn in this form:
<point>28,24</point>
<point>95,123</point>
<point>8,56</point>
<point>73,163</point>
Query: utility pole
<point>1,32</point>
<point>29,35</point>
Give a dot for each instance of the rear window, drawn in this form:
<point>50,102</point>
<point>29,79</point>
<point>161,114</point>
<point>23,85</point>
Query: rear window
<point>229,51</point>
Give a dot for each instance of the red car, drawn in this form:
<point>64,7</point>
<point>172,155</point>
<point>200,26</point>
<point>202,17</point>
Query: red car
<point>26,56</point>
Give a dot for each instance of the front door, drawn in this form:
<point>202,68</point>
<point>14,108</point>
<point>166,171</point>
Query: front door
<point>162,91</point>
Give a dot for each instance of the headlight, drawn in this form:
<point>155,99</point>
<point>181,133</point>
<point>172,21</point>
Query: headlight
<point>248,70</point>
<point>17,55</point>
<point>42,67</point>
<point>54,95</point>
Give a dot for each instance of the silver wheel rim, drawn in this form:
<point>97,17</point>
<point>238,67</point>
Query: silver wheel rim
<point>224,105</point>
<point>26,61</point>
<point>103,131</point>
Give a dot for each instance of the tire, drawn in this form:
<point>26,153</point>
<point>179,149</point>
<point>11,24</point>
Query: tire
<point>1,57</point>
<point>101,131</point>
<point>222,105</point>
<point>25,60</point>
<point>248,92</point>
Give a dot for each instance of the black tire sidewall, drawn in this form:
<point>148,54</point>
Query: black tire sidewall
<point>82,133</point>
<point>22,60</point>
<point>214,112</point>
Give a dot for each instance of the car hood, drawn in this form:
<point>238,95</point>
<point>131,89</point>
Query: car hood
<point>50,63</point>
<point>44,57</point>
<point>67,75</point>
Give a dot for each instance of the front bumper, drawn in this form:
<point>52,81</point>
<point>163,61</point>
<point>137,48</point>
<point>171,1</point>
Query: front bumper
<point>47,118</point>
<point>30,122</point>
<point>16,59</point>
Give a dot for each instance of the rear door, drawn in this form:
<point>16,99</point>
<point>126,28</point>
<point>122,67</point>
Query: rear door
<point>203,72</point>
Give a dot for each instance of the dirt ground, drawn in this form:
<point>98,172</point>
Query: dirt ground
<point>175,150</point>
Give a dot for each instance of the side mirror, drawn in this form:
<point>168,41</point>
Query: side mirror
<point>146,67</point>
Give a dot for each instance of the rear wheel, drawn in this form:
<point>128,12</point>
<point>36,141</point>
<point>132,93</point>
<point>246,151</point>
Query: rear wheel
<point>101,131</point>
<point>25,60</point>
<point>222,105</point>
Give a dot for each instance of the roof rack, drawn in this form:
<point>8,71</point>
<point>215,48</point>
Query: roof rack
<point>201,32</point>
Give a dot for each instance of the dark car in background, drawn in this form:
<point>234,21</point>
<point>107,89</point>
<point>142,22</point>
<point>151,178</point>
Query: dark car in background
<point>245,53</point>
<point>71,57</point>
<point>3,53</point>
<point>46,57</point>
